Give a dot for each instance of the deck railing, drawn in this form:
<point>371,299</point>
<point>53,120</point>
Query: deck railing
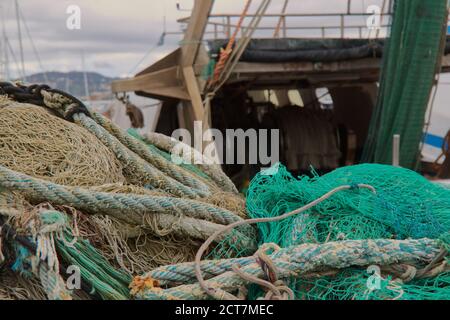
<point>348,24</point>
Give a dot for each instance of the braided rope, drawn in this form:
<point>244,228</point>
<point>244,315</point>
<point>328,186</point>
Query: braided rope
<point>184,185</point>
<point>292,262</point>
<point>212,291</point>
<point>127,207</point>
<point>150,167</point>
<point>136,164</point>
<point>155,159</point>
<point>53,284</point>
<point>191,155</point>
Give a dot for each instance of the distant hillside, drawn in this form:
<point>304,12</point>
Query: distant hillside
<point>73,82</point>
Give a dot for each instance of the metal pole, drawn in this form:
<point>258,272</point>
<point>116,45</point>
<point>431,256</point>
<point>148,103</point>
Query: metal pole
<point>396,150</point>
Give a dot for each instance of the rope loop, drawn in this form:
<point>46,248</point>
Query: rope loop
<point>63,103</point>
<point>277,289</point>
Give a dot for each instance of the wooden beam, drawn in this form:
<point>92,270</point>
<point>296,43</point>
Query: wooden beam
<point>168,61</point>
<point>189,52</point>
<point>171,92</point>
<point>162,83</point>
<point>164,77</point>
<point>194,92</point>
<point>193,37</point>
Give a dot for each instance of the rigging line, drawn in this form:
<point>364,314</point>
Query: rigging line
<point>158,44</point>
<point>36,53</point>
<point>143,59</point>
<point>281,21</point>
<point>242,44</point>
<point>11,50</point>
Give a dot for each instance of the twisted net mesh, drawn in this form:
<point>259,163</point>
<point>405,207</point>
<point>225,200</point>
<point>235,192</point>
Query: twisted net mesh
<point>406,205</point>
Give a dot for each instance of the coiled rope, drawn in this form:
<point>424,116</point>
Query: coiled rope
<point>189,215</point>
<point>301,260</point>
<point>145,165</point>
<point>217,292</point>
<point>181,209</point>
<point>191,155</point>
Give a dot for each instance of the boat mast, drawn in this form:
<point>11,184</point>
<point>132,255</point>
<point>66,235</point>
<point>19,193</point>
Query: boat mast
<point>5,60</point>
<point>86,84</point>
<point>19,30</point>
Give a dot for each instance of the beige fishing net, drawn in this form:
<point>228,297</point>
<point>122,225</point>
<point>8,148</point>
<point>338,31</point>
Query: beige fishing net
<point>35,142</point>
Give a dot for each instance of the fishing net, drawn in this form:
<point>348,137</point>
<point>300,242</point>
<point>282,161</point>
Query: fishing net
<point>14,287</point>
<point>35,142</point>
<point>77,190</point>
<point>411,60</point>
<point>405,206</point>
<point>133,248</point>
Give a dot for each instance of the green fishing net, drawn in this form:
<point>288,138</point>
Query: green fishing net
<point>406,205</point>
<point>411,59</point>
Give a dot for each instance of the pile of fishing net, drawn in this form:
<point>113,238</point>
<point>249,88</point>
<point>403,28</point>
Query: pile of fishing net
<point>405,206</point>
<point>35,142</point>
<point>80,196</point>
<point>360,232</point>
<point>75,190</point>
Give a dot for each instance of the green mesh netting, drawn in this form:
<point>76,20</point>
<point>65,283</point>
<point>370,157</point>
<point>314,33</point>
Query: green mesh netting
<point>410,62</point>
<point>406,205</point>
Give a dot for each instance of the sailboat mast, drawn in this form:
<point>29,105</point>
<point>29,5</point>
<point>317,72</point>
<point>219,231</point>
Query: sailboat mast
<point>86,84</point>
<point>4,45</point>
<point>19,30</point>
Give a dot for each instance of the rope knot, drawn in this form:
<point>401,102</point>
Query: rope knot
<point>63,103</point>
<point>141,283</point>
<point>276,289</point>
<point>354,186</point>
<point>42,95</point>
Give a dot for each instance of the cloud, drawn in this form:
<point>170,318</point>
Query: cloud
<point>116,34</point>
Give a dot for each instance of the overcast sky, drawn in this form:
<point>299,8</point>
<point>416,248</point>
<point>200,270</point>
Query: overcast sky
<point>116,34</point>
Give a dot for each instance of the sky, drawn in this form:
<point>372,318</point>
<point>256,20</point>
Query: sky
<point>115,35</point>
